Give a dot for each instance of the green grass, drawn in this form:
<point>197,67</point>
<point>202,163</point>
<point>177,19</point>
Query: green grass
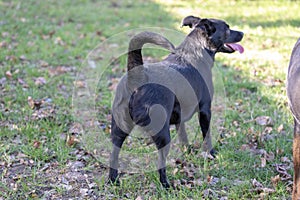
<point>52,39</point>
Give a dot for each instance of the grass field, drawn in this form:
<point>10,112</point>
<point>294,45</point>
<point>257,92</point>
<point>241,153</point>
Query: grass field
<point>43,144</point>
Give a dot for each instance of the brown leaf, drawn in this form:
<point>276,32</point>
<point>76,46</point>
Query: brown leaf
<point>256,184</point>
<point>269,156</point>
<point>282,170</point>
<point>280,128</point>
<point>30,102</point>
<point>40,81</point>
<point>285,159</point>
<point>264,120</point>
<point>263,162</point>
<point>44,63</point>
<point>59,41</point>
<point>175,171</point>
<point>23,83</point>
<point>34,103</point>
<point>71,140</point>
<point>275,180</point>
<point>80,84</point>
<point>139,198</point>
<point>36,144</point>
<point>8,74</point>
<point>22,57</point>
<point>59,70</point>
<point>3,44</point>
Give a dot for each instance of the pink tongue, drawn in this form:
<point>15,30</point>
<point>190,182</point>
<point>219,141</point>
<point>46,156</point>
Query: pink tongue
<point>236,47</point>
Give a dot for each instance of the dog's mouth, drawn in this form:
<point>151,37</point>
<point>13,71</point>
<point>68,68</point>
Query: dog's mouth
<point>232,47</point>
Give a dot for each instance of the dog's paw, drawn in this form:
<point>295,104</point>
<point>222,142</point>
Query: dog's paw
<point>213,153</point>
<point>166,185</point>
<point>113,178</point>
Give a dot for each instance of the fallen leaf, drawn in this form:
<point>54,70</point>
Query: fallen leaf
<point>30,102</point>
<point>256,184</point>
<point>80,84</point>
<point>264,121</point>
<point>263,162</point>
<point>269,156</point>
<point>36,144</point>
<point>44,63</point>
<point>8,74</point>
<point>275,180</point>
<point>59,41</point>
<point>282,170</point>
<point>2,81</point>
<point>22,57</point>
<point>285,159</point>
<point>71,140</point>
<point>139,198</point>
<point>175,171</point>
<point>23,83</point>
<point>3,44</point>
<point>40,81</point>
<point>280,128</point>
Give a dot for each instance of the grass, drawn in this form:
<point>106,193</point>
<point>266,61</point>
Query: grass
<point>45,44</point>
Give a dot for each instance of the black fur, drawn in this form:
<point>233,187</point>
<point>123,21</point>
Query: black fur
<point>192,60</point>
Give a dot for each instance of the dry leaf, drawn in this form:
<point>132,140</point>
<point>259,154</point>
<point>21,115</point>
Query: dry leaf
<point>22,57</point>
<point>175,171</point>
<point>40,81</point>
<point>256,184</point>
<point>71,140</point>
<point>80,84</point>
<point>30,102</point>
<point>269,156</point>
<point>264,121</point>
<point>8,74</point>
<point>285,159</point>
<point>275,180</point>
<point>280,128</point>
<point>36,144</point>
<point>263,162</point>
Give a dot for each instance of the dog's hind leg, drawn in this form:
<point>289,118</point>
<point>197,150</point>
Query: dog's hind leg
<point>162,141</point>
<point>204,120</point>
<point>117,137</point>
<point>296,160</point>
<point>182,136</point>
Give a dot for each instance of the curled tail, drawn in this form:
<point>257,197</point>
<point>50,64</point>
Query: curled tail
<point>136,43</point>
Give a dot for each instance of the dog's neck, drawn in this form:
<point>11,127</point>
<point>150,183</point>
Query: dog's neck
<point>193,50</point>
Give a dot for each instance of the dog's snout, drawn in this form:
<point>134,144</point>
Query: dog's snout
<point>241,35</point>
<point>235,36</point>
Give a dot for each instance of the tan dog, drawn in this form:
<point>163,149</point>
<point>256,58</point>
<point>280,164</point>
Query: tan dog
<point>293,92</point>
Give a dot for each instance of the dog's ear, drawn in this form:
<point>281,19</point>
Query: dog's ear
<point>190,21</point>
<point>207,26</point>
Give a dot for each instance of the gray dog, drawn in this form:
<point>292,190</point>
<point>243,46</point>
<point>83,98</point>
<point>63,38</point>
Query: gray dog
<point>293,92</point>
<point>154,96</point>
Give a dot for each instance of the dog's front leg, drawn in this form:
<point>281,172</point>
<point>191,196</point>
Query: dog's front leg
<point>182,136</point>
<point>204,121</point>
<point>296,160</point>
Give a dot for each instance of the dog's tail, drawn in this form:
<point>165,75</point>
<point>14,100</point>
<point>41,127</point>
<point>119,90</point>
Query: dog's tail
<point>136,43</point>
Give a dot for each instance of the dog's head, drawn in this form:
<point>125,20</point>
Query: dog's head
<point>218,35</point>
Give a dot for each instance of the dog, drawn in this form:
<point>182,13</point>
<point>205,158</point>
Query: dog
<point>293,93</point>
<point>154,96</point>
